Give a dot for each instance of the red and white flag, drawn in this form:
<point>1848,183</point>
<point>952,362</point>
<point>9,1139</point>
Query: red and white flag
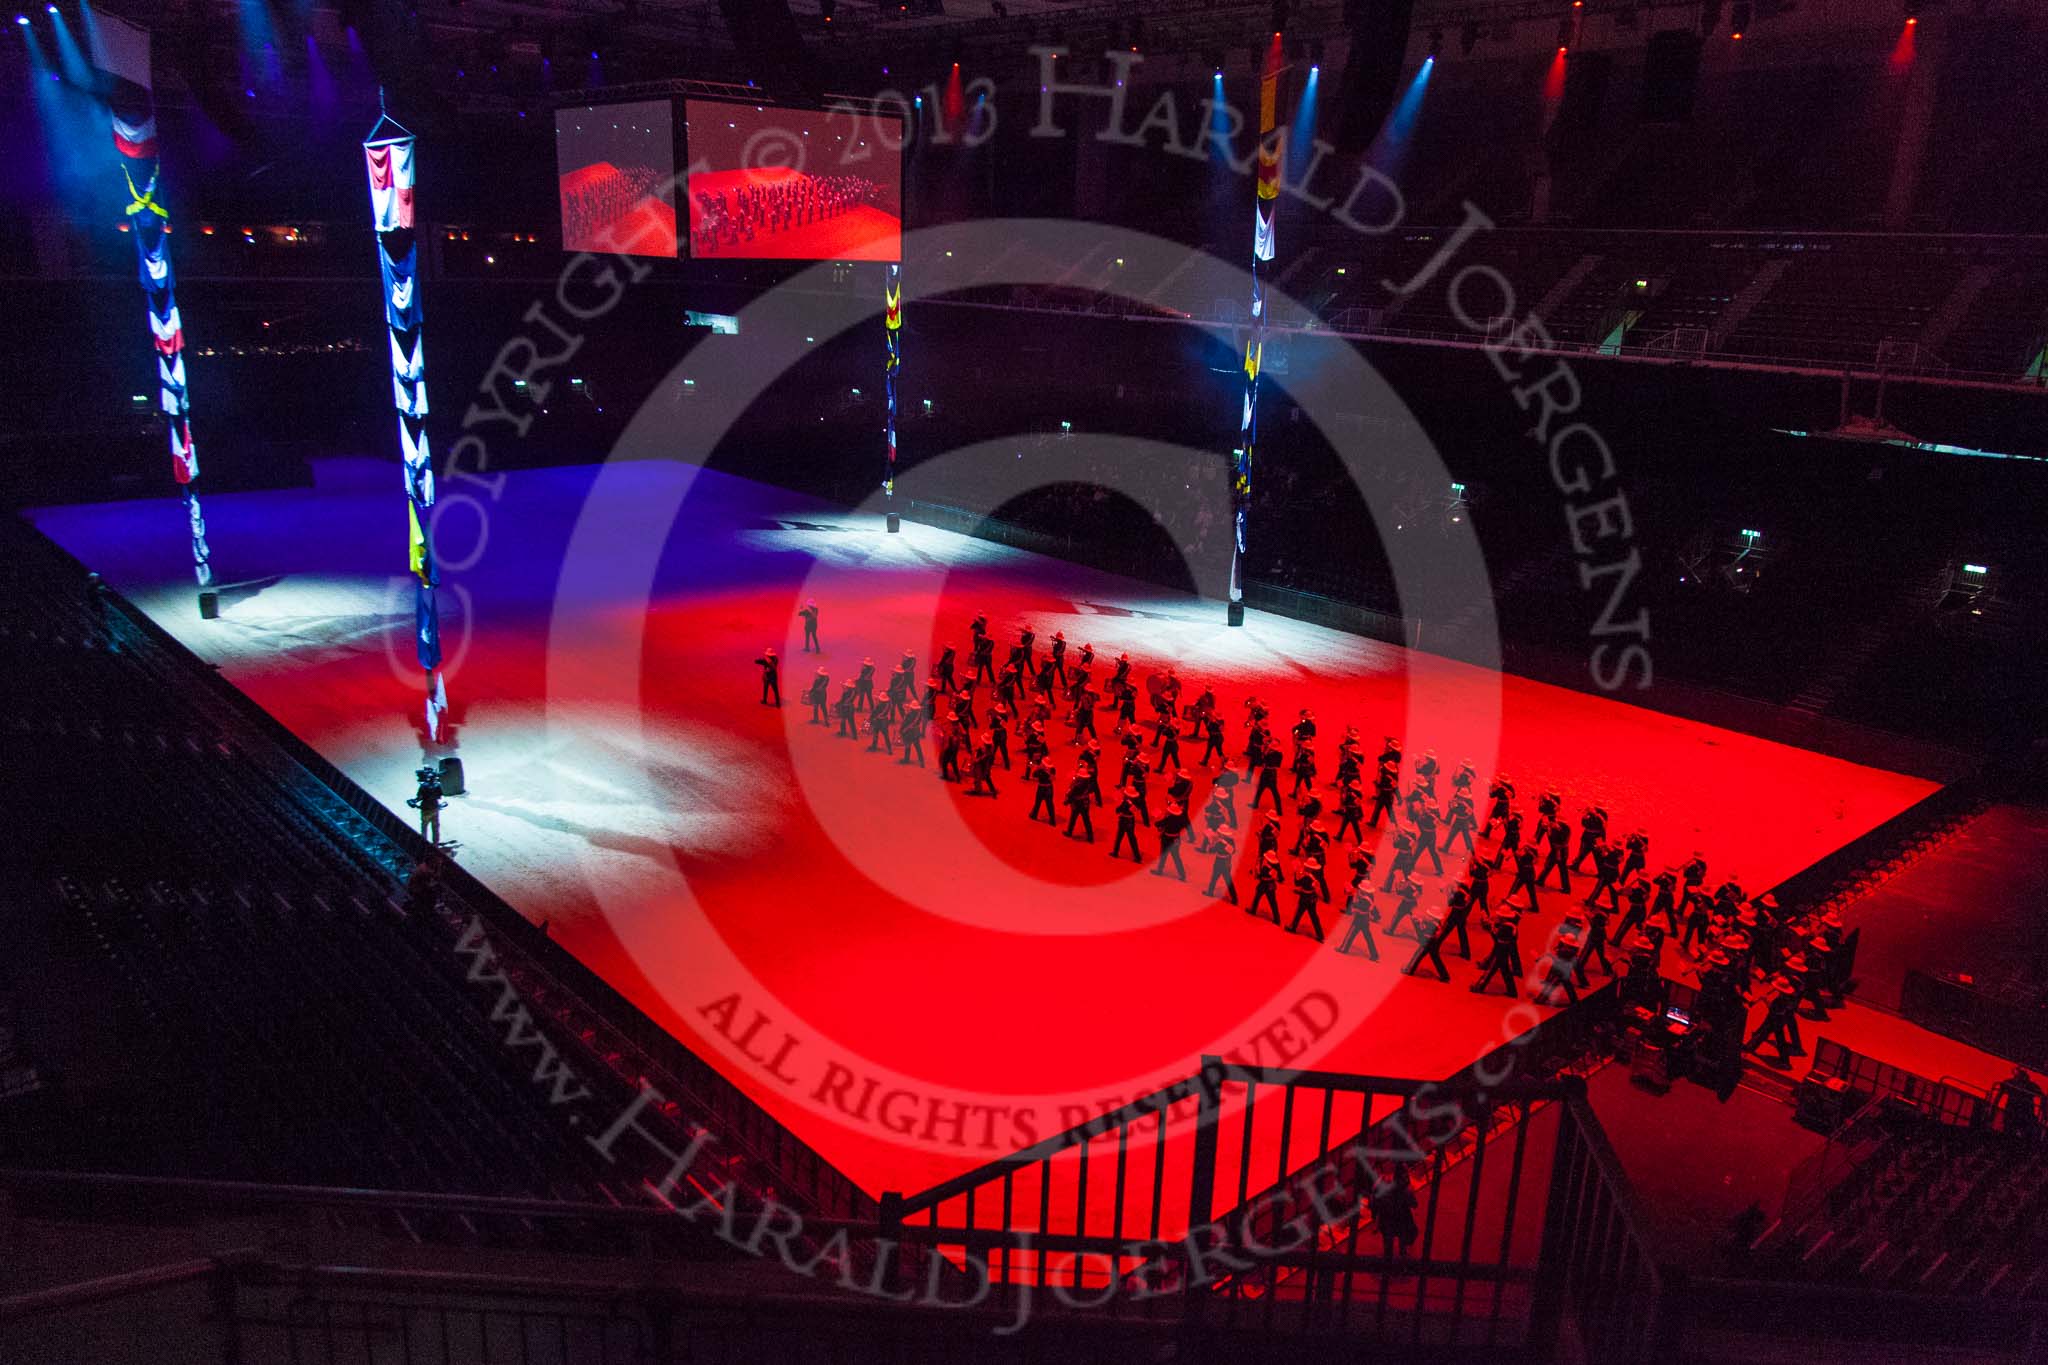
<point>121,52</point>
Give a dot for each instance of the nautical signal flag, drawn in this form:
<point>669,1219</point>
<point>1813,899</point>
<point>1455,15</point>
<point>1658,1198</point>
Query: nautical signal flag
<point>421,556</point>
<point>120,52</point>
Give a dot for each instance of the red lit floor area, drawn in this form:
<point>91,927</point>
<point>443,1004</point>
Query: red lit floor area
<point>914,979</point>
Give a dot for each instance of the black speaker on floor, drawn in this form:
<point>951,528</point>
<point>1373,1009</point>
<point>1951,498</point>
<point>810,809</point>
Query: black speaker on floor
<point>895,523</point>
<point>451,777</point>
<point>1235,616</point>
<point>209,605</point>
<point>1671,76</point>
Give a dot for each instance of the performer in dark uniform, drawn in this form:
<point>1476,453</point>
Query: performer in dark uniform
<point>1169,747</point>
<point>809,612</point>
<point>1266,886</point>
<point>1479,884</point>
<point>1457,910</point>
<point>1500,798</point>
<point>984,767</point>
<point>845,708</point>
<point>1606,875</point>
<point>1638,854</point>
<point>818,694</point>
<point>1359,908</point>
<point>1525,876</point>
<point>1256,737</point>
<point>1305,898</point>
<point>1459,822</point>
<point>1084,715</point>
<point>1269,780</point>
<point>771,678</point>
<point>1425,774</point>
<point>1082,793</point>
<point>1557,838</point>
<point>1127,825</point>
<point>1059,655</point>
<point>1221,846</point>
<point>1406,849</point>
<point>1212,749</point>
<point>1424,817</point>
<point>1312,864</point>
<point>944,668</point>
<point>1224,793</point>
<point>1407,896</point>
<point>1133,779</point>
<point>1504,959</point>
<point>950,740</point>
<point>1510,839</point>
<point>1385,788</point>
<point>1636,892</point>
<point>1592,832</point>
<point>1172,826</point>
<point>1559,966</point>
<point>999,732</point>
<point>882,727</point>
<point>1042,778</point>
<point>1308,811</point>
<point>1304,768</point>
<point>911,732</point>
<point>1781,1000</point>
<point>1429,936</point>
<point>1351,814</point>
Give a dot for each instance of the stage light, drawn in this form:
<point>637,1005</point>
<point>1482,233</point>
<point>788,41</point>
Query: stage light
<point>1752,536</point>
<point>1977,569</point>
<point>21,19</point>
<point>52,9</point>
<point>1341,270</point>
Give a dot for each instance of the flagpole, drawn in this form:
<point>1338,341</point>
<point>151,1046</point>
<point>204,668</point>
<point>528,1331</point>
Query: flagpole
<point>892,327</point>
<point>388,157</point>
<point>1264,207</point>
<point>121,52</point>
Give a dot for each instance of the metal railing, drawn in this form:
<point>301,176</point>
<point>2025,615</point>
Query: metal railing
<point>1312,1171</point>
<point>1956,1106</point>
<point>1597,1261</point>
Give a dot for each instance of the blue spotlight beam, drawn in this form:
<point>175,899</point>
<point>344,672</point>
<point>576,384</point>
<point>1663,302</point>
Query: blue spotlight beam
<point>1391,147</point>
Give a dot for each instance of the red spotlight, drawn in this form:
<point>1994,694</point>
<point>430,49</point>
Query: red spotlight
<point>1736,36</point>
<point>1912,20</point>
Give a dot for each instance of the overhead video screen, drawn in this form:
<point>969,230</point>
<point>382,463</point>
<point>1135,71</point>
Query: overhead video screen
<point>793,184</point>
<point>617,164</point>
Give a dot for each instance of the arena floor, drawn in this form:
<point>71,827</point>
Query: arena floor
<point>915,980</point>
